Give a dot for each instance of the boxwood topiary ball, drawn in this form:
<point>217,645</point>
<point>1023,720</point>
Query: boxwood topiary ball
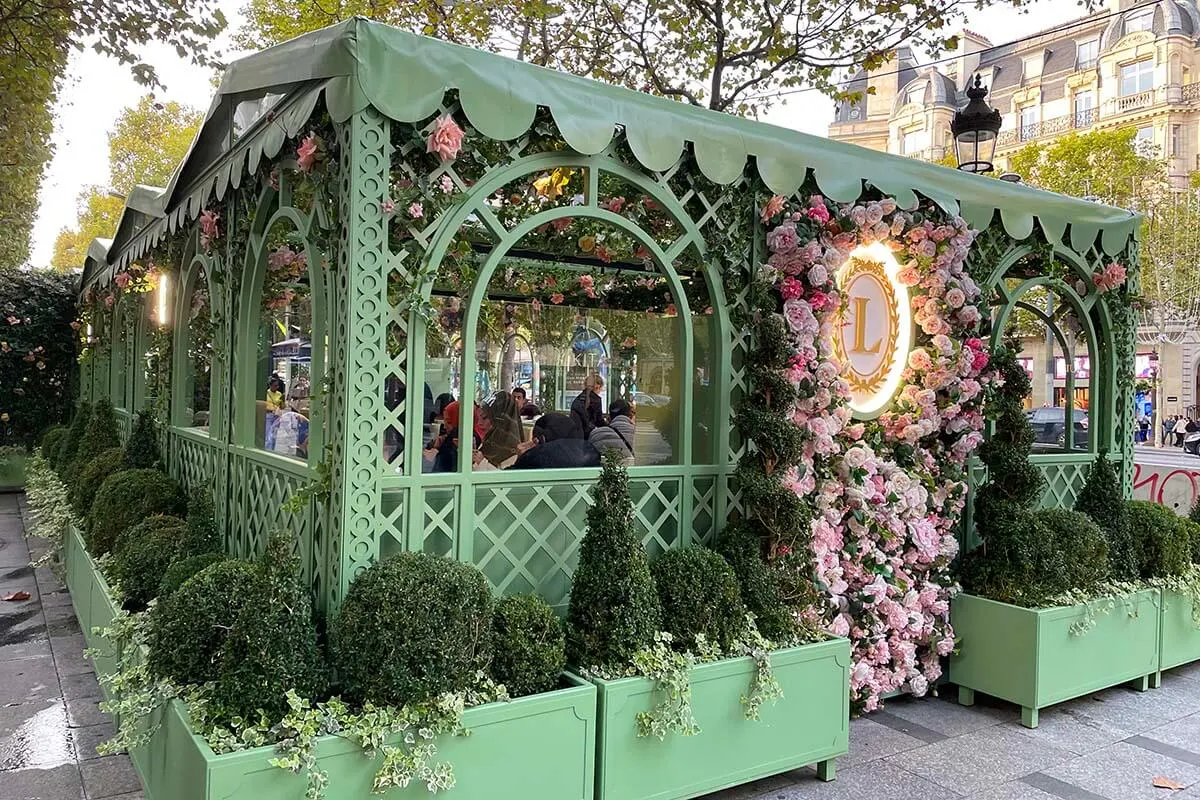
<point>188,627</point>
<point>528,645</point>
<point>699,595</point>
<point>142,554</point>
<point>1164,542</point>
<point>411,627</point>
<point>92,476</point>
<point>184,568</point>
<point>125,499</point>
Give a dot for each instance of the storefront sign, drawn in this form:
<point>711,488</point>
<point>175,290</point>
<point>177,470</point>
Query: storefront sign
<point>876,328</point>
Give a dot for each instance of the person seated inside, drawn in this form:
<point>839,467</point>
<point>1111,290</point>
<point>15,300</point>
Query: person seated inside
<point>443,453</point>
<point>618,433</point>
<point>503,433</point>
<point>525,409</point>
<point>557,443</point>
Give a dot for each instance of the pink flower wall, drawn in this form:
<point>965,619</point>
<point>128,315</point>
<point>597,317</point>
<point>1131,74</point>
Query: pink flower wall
<point>886,494</point>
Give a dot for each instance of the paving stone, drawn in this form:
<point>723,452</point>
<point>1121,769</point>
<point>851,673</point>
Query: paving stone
<point>1182,733</point>
<point>80,687</point>
<point>947,717</point>
<point>34,735</point>
<point>1017,790</point>
<point>68,655</point>
<point>878,779</point>
<point>36,644</point>
<point>28,679</point>
<point>760,787</point>
<point>1071,727</point>
<point>870,741</point>
<point>82,713</point>
<point>1124,772</point>
<point>12,554</point>
<point>982,759</point>
<point>86,739</point>
<point>108,777</point>
<point>60,783</point>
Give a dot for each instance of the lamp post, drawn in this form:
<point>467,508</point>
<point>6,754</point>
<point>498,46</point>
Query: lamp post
<point>975,127</point>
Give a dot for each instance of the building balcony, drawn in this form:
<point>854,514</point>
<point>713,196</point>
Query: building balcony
<point>1049,127</point>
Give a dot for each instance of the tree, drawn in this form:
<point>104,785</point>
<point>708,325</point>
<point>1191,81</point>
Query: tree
<point>729,55</point>
<point>145,146</point>
<point>1106,164</point>
<point>39,31</point>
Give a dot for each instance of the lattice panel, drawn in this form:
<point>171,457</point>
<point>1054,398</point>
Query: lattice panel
<point>393,508</point>
<point>193,463</point>
<point>527,536</point>
<point>259,492</point>
<point>1063,483</point>
<point>704,498</point>
<point>439,521</point>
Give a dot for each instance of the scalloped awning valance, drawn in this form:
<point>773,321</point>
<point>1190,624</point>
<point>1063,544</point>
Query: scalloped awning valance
<point>405,76</point>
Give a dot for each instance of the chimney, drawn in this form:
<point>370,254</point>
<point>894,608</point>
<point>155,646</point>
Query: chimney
<point>971,45</point>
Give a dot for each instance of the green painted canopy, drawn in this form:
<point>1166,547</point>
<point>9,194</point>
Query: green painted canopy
<point>358,63</point>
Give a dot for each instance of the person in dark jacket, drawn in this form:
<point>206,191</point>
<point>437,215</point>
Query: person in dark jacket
<point>618,433</point>
<point>557,443</point>
<point>588,408</point>
<point>445,449</point>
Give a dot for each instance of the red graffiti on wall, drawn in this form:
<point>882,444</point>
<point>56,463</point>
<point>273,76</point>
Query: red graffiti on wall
<point>1155,483</point>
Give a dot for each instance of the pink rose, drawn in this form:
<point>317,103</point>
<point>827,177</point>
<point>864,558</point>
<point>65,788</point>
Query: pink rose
<point>387,206</point>
<point>445,139</point>
<point>309,152</point>
<point>980,362</point>
<point>208,224</point>
<point>416,211</point>
<point>615,204</point>
<point>122,279</point>
<point>782,239</point>
<point>790,289</point>
<point>446,183</point>
<point>772,207</point>
<point>557,298</point>
<point>955,298</point>
<point>818,213</point>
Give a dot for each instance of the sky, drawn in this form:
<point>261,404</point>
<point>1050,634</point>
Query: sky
<point>98,88</point>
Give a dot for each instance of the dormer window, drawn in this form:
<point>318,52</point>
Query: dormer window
<point>1140,21</point>
<point>1088,52</point>
<point>1031,67</point>
<point>915,95</point>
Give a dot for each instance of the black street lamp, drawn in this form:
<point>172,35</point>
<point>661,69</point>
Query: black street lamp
<point>975,127</point>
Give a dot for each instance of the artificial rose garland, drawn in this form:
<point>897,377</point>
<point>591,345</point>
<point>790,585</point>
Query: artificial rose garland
<point>887,494</point>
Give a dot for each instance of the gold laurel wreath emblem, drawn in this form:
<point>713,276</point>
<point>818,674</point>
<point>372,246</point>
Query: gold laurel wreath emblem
<point>868,383</point>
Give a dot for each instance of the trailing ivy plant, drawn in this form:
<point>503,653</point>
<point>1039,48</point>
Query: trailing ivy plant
<point>48,501</point>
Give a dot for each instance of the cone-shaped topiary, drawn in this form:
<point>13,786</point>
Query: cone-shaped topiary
<point>51,439</point>
<point>614,610</point>
<point>188,627</point>
<point>125,499</point>
<point>202,535</point>
<point>412,627</point>
<point>64,456</point>
<point>1101,500</point>
<point>739,545</point>
<point>141,451</point>
<point>101,435</point>
<point>528,645</point>
<point>1006,566</point>
<point>142,554</point>
<point>1165,543</point>
<point>93,474</point>
<point>179,572</point>
<point>272,644</point>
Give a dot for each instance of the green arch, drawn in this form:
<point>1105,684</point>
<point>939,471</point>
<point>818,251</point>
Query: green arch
<point>193,262</point>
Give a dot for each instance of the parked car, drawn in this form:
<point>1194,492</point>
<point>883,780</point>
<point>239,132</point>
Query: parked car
<point>1049,426</point>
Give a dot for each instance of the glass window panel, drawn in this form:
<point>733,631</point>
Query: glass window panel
<point>1088,51</point>
<point>284,379</point>
<point>198,370</point>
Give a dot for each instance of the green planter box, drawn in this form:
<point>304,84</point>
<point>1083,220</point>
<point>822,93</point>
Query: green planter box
<point>12,473</point>
<point>810,725</point>
<point>534,748</point>
<point>1180,636</point>
<point>1031,658</point>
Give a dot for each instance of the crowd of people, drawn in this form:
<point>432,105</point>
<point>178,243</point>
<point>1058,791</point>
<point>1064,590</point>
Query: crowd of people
<point>557,440</point>
<point>1175,428</point>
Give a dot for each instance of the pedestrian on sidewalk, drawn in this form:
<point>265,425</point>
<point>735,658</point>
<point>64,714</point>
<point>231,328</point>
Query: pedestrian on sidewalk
<point>1180,429</point>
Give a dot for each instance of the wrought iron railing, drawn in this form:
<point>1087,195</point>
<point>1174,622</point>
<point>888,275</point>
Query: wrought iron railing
<point>1190,93</point>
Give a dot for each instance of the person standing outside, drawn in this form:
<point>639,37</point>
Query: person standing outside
<point>1180,429</point>
<point>1168,427</point>
<point>588,408</point>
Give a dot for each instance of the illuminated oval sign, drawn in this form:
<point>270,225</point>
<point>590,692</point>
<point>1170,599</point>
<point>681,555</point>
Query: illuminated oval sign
<point>875,330</point>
